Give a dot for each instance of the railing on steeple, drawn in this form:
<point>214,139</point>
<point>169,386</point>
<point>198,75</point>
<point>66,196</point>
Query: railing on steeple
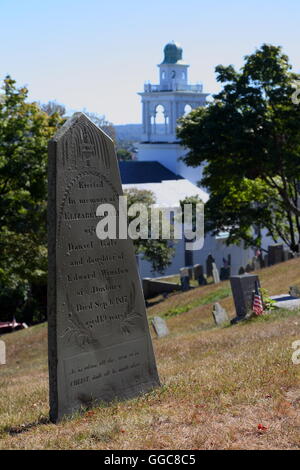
<point>149,88</point>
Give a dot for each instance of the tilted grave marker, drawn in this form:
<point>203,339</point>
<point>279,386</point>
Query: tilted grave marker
<point>160,327</point>
<point>219,314</point>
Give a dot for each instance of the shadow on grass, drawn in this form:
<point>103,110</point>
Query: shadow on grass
<point>14,430</point>
<point>272,315</point>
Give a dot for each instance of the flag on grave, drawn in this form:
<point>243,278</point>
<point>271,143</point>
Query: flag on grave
<point>257,305</point>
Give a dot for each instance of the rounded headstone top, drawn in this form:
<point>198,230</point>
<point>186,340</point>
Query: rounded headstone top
<point>173,53</point>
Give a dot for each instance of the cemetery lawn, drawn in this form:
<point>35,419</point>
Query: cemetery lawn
<point>231,387</point>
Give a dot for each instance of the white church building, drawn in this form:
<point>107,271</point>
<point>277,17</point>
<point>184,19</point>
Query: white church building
<point>159,169</point>
<point>162,105</point>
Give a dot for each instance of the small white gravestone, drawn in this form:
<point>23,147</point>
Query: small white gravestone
<point>2,353</point>
<point>160,327</point>
<point>219,314</point>
<point>215,273</point>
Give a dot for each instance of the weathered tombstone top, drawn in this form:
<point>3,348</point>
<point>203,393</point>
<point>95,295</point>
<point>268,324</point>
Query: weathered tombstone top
<point>198,271</point>
<point>184,272</point>
<point>2,353</point>
<point>219,313</point>
<point>160,327</point>
<point>242,290</point>
<point>99,341</point>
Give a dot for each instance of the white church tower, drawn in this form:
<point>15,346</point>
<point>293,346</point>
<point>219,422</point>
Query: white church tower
<point>163,105</point>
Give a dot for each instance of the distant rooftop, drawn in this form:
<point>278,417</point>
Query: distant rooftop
<point>170,193</point>
<point>145,172</point>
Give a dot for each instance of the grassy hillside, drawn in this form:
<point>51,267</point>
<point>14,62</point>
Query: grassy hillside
<point>219,385</point>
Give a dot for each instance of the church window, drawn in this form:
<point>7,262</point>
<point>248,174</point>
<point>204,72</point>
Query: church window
<point>187,109</point>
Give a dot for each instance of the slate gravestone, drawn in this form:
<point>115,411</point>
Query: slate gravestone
<point>219,314</point>
<point>275,253</point>
<point>160,327</point>
<point>209,265</point>
<point>2,353</point>
<point>184,279</point>
<point>215,273</point>
<point>199,275</point>
<point>242,290</point>
<point>99,341</point>
<point>224,273</point>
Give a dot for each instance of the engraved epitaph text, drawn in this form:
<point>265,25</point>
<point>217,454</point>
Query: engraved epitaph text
<point>99,343</point>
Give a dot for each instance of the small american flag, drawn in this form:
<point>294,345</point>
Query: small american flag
<point>257,305</point>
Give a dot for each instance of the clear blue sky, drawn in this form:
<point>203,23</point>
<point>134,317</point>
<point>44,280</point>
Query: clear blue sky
<point>97,54</point>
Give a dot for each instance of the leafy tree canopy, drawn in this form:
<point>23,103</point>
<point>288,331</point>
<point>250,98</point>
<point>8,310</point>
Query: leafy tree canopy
<point>53,107</point>
<point>249,140</point>
<point>25,130</point>
<point>158,252</point>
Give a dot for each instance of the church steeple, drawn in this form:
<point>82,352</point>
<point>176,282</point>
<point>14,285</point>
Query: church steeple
<point>173,71</point>
<point>171,97</point>
<point>163,104</point>
<point>173,53</point>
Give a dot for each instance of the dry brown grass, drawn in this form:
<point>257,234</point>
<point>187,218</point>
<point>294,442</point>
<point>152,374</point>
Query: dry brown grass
<point>218,384</point>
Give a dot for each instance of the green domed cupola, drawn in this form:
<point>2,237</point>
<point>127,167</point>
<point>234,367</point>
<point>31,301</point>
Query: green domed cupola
<point>173,53</point>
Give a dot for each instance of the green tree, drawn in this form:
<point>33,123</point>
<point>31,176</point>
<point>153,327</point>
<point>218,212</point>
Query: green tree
<point>24,134</point>
<point>53,107</point>
<point>249,140</point>
<point>158,252</point>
